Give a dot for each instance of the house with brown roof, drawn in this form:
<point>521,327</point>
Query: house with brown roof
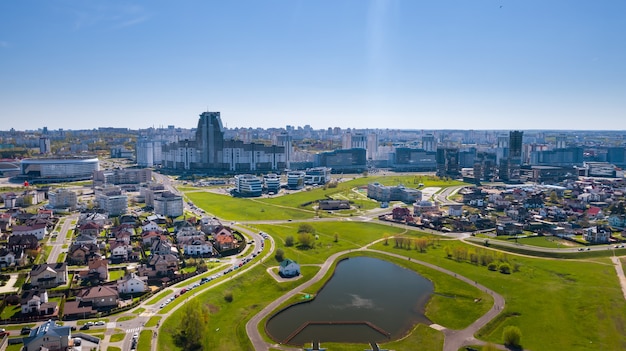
<point>92,229</point>
<point>162,247</point>
<point>48,275</point>
<point>120,251</point>
<point>98,268</point>
<point>224,239</point>
<point>22,243</point>
<point>147,238</point>
<point>159,266</point>
<point>99,296</point>
<point>81,253</point>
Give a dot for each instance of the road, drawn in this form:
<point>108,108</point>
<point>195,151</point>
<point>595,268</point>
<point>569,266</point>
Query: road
<point>57,246</point>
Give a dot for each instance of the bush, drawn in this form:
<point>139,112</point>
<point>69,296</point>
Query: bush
<point>228,296</point>
<point>505,268</point>
<point>280,255</point>
<point>512,336</point>
<point>492,266</point>
<point>289,241</point>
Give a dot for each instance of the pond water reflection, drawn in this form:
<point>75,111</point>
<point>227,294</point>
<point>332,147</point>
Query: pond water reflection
<point>367,299</point>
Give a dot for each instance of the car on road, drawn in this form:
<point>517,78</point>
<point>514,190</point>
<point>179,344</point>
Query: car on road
<point>85,327</point>
<point>100,323</point>
<point>25,331</point>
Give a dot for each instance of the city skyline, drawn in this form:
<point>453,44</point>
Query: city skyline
<point>492,65</point>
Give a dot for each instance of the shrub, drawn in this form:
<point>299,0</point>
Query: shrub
<point>228,296</point>
<point>505,268</point>
<point>289,241</point>
<point>280,255</point>
<point>512,336</point>
<point>492,266</point>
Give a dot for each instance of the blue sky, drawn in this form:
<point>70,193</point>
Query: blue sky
<point>410,64</point>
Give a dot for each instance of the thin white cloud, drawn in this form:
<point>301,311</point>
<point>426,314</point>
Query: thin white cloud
<point>109,16</point>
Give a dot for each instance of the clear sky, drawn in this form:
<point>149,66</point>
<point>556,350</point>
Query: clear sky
<point>411,64</point>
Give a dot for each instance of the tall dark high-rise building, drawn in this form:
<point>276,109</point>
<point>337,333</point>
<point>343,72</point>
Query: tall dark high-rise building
<point>515,144</point>
<point>510,166</point>
<point>210,139</point>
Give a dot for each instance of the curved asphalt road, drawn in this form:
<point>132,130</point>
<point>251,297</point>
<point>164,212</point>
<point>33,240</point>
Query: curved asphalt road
<point>454,339</point>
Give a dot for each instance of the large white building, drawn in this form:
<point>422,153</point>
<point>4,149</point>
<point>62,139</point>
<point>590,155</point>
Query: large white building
<point>112,201</point>
<point>63,198</point>
<point>59,169</point>
<point>168,204</point>
<point>271,182</point>
<point>295,180</point>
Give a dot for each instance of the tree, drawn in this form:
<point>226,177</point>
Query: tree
<point>336,237</point>
<point>512,336</point>
<point>489,347</point>
<point>192,328</point>
<point>306,228</point>
<point>228,296</point>
<point>289,241</point>
<point>421,244</point>
<point>280,255</point>
<point>306,240</point>
<point>554,198</point>
<point>492,266</point>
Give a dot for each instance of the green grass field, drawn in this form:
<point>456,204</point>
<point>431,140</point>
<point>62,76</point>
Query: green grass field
<point>542,241</point>
<point>578,303</point>
<point>298,205</point>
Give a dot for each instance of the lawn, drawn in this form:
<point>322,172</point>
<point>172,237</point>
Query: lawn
<point>543,241</point>
<point>299,205</point>
<point>117,337</point>
<point>351,235</point>
<point>578,303</point>
<point>115,274</point>
<point>153,321</point>
<point>145,341</point>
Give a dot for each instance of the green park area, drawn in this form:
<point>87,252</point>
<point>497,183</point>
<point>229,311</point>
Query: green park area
<point>574,304</point>
<point>300,204</point>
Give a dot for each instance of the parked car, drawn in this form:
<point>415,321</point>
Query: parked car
<point>25,331</point>
<point>85,327</point>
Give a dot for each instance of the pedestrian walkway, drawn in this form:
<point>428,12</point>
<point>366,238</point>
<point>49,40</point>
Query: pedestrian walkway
<point>620,273</point>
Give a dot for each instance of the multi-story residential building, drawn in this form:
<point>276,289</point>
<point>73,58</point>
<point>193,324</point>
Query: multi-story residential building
<point>63,198</point>
<point>169,204</point>
<point>112,201</point>
<point>248,185</point>
<point>122,176</point>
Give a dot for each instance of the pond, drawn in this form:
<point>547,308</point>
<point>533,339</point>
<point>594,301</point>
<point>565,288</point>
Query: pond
<point>366,300</point>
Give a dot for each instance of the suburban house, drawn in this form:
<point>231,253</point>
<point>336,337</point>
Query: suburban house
<point>38,230</point>
<point>162,247</point>
<point>224,239</point>
<point>132,283</point>
<point>48,275</point>
<point>9,258</point>
<point>289,268</point>
<point>189,232</point>
<point>48,336</point>
<point>81,253</point>
<point>596,235</point>
<point>90,228</point>
<point>148,226</point>
<point>159,266</point>
<point>85,239</point>
<point>97,218</point>
<point>120,251</point>
<point>147,238</point>
<point>22,243</point>
<point>35,302</point>
<point>196,247</point>
<point>98,268</point>
<point>99,296</point>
